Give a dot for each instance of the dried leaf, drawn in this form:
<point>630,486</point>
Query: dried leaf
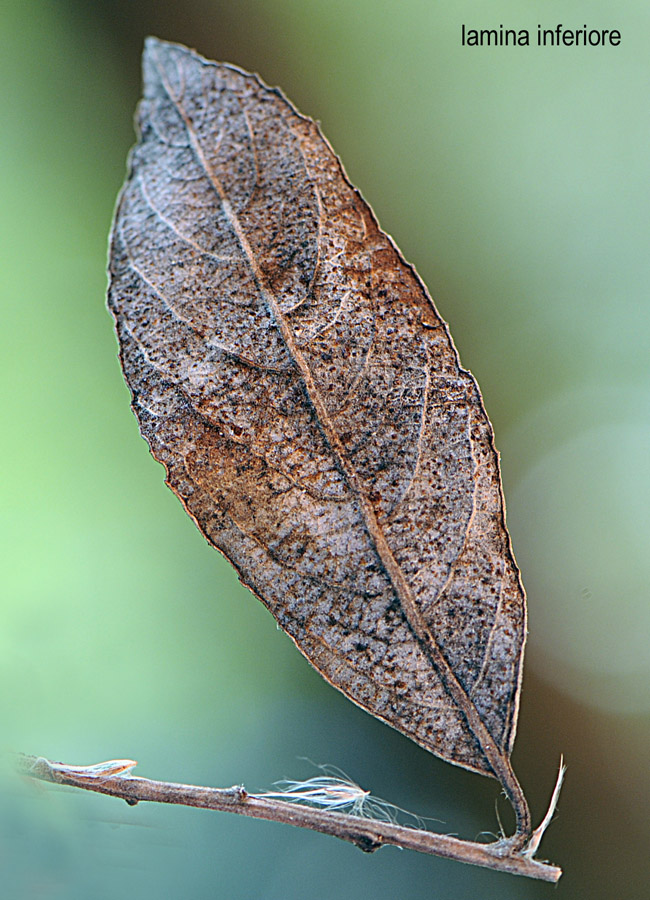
<point>291,372</point>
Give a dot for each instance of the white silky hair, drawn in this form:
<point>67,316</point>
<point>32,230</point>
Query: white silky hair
<point>333,790</point>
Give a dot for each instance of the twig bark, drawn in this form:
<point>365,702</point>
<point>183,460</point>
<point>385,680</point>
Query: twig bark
<point>114,778</point>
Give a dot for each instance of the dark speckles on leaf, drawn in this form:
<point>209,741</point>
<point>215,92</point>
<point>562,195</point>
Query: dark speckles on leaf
<point>293,375</point>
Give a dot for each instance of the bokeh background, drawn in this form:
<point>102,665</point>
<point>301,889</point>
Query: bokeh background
<point>516,179</point>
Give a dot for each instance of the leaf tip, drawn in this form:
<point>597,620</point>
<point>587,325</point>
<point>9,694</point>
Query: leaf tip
<point>152,48</point>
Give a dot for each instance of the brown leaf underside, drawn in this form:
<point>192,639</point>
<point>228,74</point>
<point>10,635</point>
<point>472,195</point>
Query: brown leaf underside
<point>293,375</point>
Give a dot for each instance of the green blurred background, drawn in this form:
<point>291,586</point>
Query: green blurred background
<point>516,179</point>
